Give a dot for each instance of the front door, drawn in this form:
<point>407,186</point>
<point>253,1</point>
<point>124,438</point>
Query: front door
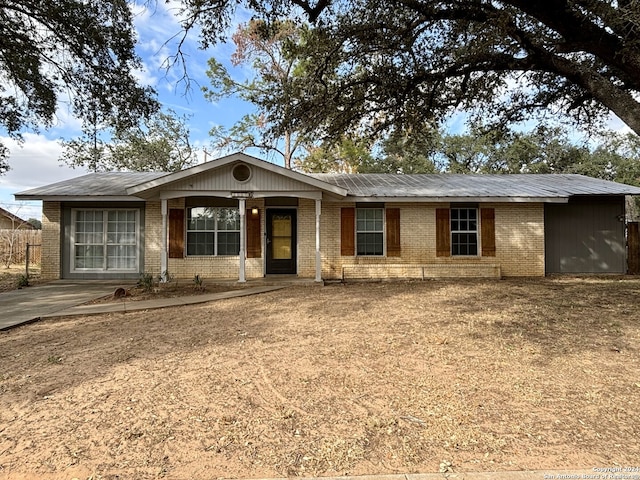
<point>281,241</point>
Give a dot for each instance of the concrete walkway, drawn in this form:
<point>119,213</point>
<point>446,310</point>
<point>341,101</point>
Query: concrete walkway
<point>62,298</point>
<point>32,303</point>
<point>127,305</point>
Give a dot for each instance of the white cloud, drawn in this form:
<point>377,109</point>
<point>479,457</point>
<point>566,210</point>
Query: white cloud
<point>34,163</point>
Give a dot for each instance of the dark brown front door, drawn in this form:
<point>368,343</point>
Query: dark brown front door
<point>281,241</point>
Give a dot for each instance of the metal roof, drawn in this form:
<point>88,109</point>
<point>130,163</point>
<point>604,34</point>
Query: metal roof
<point>476,186</point>
<point>105,184</point>
<point>434,187</point>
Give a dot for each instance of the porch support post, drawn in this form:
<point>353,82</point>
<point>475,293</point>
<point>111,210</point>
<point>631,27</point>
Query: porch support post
<point>243,238</point>
<point>164,267</point>
<point>318,255</point>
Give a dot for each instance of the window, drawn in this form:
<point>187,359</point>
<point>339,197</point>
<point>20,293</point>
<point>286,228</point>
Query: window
<point>370,231</point>
<point>213,231</point>
<point>105,240</point>
<point>464,231</point>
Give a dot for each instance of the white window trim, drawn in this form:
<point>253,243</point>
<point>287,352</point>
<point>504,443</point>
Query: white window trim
<point>72,241</point>
<point>215,234</point>
<point>477,232</point>
<point>384,232</point>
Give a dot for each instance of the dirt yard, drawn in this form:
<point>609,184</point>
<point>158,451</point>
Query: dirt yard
<point>371,378</point>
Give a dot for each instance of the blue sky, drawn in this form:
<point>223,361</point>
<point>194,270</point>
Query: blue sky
<point>35,163</point>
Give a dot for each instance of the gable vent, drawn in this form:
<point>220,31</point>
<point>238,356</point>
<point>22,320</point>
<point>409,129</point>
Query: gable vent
<point>241,172</point>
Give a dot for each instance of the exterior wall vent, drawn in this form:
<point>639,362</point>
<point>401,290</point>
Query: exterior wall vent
<point>241,172</point>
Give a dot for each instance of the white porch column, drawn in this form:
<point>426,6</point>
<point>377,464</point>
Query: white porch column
<point>243,236</point>
<point>318,255</point>
<point>164,266</point>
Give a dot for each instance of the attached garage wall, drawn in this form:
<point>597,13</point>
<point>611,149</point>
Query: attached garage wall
<point>585,236</point>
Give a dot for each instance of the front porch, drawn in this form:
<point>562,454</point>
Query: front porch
<point>238,218</point>
<point>276,237</point>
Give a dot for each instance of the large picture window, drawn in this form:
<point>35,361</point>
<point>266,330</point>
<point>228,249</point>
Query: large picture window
<point>370,231</point>
<point>213,231</point>
<point>464,231</point>
<point>105,240</point>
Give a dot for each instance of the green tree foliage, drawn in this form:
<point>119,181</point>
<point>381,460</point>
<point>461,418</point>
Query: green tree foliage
<point>262,47</point>
<point>543,150</point>
<point>36,223</point>
<point>80,52</point>
<point>617,158</point>
<point>382,64</point>
<point>400,152</point>
<point>408,152</point>
<point>614,157</point>
<point>161,144</point>
<point>345,156</point>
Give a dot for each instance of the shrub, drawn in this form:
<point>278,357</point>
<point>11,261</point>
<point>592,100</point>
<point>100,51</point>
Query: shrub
<point>23,281</point>
<point>146,282</point>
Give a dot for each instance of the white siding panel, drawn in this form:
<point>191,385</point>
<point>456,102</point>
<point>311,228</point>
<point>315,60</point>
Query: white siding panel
<point>222,179</point>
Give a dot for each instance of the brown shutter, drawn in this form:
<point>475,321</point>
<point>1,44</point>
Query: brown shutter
<point>393,232</point>
<point>254,240</point>
<point>443,233</point>
<point>347,232</point>
<point>176,233</point>
<point>488,232</point>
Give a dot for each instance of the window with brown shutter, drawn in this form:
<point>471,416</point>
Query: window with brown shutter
<point>443,233</point>
<point>370,230</point>
<point>488,232</point>
<point>254,240</point>
<point>347,231</point>
<point>393,232</point>
<point>176,233</point>
<point>464,231</point>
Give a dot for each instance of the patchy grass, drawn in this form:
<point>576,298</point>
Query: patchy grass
<point>465,375</point>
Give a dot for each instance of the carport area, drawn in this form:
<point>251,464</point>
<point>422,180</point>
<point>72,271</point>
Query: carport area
<point>32,303</point>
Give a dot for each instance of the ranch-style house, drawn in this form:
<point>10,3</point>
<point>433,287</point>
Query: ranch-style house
<point>239,217</point>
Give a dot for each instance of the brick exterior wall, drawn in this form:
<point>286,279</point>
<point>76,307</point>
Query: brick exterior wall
<point>519,246</point>
<point>519,232</point>
<point>152,238</point>
<point>520,239</point>
<point>51,246</point>
<point>215,268</point>
<point>307,238</point>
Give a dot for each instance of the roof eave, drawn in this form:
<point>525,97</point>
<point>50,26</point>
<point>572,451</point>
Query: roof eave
<point>79,198</point>
<point>441,199</point>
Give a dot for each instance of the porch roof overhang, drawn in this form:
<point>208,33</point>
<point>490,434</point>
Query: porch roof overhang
<point>172,185</point>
